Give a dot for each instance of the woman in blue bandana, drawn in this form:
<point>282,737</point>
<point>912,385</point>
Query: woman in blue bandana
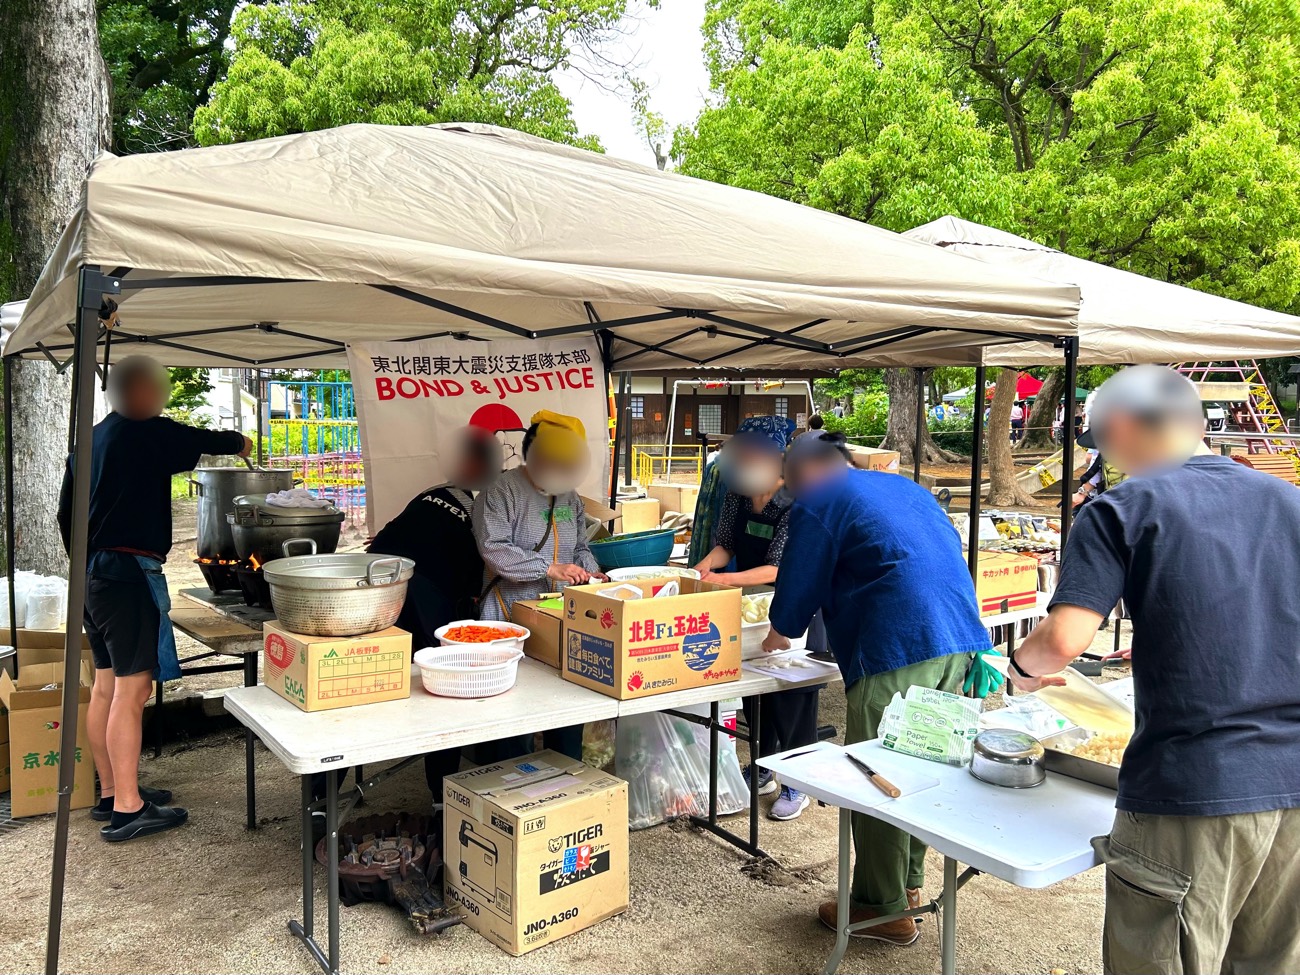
<point>751,528</point>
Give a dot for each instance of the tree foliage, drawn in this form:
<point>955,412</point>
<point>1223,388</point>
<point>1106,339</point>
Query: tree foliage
<point>164,57</point>
<point>1158,136</point>
<point>301,65</point>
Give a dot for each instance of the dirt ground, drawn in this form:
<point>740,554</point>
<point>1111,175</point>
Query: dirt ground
<point>214,897</point>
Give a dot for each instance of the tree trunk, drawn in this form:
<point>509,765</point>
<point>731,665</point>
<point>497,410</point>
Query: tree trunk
<point>900,433</point>
<point>54,112</point>
<point>1002,469</point>
<point>1038,432</point>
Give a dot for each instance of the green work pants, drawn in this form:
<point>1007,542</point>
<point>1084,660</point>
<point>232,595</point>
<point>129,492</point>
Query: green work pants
<point>888,861</point>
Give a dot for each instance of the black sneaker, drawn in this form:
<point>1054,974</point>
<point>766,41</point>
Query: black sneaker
<point>152,819</point>
<point>159,797</point>
<point>766,780</point>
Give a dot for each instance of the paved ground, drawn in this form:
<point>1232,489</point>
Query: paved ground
<point>215,898</point>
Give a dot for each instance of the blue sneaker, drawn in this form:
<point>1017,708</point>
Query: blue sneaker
<point>766,780</point>
<point>789,805</point>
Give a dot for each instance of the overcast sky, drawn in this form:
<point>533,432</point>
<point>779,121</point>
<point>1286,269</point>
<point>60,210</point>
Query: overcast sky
<point>665,44</point>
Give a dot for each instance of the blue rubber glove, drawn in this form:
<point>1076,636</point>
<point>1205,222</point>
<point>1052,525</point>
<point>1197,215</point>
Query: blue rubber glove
<point>982,678</point>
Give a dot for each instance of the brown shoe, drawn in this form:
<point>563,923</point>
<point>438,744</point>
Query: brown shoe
<point>902,932</point>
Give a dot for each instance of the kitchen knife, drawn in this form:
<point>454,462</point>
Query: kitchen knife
<point>880,782</point>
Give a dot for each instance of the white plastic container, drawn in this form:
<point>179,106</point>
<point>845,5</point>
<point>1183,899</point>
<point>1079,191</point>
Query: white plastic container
<point>464,670</point>
<point>513,636</point>
<point>635,572</point>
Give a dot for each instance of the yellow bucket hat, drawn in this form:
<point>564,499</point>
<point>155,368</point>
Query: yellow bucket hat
<point>559,438</point>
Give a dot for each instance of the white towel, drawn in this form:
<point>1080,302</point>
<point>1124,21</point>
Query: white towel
<point>296,498</point>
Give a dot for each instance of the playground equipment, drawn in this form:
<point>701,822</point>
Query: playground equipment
<point>316,436</point>
<point>1247,404</point>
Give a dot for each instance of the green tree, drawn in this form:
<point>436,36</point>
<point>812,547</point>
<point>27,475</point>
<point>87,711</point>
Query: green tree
<point>189,386</point>
<point>163,56</point>
<point>1160,137</point>
<point>301,65</point>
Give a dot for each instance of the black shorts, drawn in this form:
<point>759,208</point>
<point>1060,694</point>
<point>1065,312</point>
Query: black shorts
<point>122,622</point>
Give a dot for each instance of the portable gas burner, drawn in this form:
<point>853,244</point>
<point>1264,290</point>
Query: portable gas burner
<point>252,583</point>
<point>219,574</point>
<point>394,858</point>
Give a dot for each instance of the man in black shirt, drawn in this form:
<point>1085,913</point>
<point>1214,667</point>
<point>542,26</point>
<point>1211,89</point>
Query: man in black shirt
<point>135,453</point>
<point>434,531</point>
<point>1201,871</point>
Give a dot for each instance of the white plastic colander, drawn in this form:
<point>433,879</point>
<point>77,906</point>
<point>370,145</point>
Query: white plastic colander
<point>468,671</point>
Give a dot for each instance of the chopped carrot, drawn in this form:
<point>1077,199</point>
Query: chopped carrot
<point>481,634</point>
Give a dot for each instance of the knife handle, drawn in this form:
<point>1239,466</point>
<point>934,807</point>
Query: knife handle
<point>885,786</point>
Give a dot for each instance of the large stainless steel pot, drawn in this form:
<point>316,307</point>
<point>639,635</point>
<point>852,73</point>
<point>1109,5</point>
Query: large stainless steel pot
<point>218,488</point>
<point>338,595</point>
<point>261,530</point>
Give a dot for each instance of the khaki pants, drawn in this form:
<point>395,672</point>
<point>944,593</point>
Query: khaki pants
<point>886,859</point>
<point>1202,895</point>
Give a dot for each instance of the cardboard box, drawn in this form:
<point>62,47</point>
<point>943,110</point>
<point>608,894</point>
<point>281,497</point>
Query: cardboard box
<point>535,849</point>
<point>544,625</point>
<point>635,648</point>
<point>874,459</point>
<point>40,658</point>
<point>1005,581</point>
<point>34,729</point>
<point>640,514</point>
<point>673,497</point>
<point>318,673</point>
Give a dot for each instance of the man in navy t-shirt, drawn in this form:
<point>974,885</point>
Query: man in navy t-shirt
<point>1201,861</point>
<point>881,560</point>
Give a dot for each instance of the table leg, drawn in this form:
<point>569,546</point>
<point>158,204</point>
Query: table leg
<point>1119,621</point>
<point>754,754</point>
<point>332,855</point>
<point>713,763</point>
<point>948,905</point>
<point>1011,648</point>
<point>250,775</point>
<point>842,896</point>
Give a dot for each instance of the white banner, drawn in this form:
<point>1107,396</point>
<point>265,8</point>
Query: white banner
<point>413,398</point>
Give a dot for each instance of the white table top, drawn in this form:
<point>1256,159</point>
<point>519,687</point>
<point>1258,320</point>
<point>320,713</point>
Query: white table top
<point>1029,837</point>
<point>421,723</point>
<point>748,685</point>
<point>540,699</point>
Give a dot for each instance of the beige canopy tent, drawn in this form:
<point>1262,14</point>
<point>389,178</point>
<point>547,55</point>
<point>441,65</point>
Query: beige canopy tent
<point>1124,318</point>
<point>277,253</point>
<point>483,232</point>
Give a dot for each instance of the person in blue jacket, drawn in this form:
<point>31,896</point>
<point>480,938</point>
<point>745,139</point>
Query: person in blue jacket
<point>882,562</point>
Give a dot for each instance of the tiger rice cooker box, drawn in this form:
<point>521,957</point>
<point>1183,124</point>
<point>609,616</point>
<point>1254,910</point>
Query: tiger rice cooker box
<point>651,636</point>
<point>535,849</point>
<point>317,673</point>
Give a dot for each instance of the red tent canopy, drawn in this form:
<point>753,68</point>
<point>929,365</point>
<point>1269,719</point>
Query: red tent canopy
<point>1027,387</point>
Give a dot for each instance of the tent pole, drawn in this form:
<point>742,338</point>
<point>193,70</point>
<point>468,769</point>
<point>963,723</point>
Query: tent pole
<point>621,420</point>
<point>1067,436</point>
<point>920,425</point>
<point>11,544</point>
<point>260,408</point>
<point>627,432</point>
<point>91,286</point>
<point>976,475</point>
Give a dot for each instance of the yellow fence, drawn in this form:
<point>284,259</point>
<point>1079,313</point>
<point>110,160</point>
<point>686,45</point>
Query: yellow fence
<point>675,462</point>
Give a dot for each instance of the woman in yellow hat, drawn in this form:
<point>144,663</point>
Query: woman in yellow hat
<point>530,531</point>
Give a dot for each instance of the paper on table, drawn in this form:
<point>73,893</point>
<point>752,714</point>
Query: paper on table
<point>832,767</point>
<point>775,665</point>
